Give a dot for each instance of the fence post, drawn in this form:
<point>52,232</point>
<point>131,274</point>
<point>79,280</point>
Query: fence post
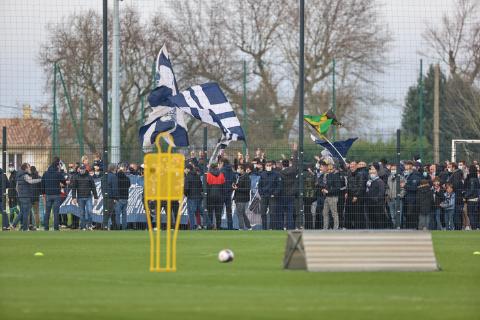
<point>420,111</point>
<point>301,108</point>
<point>55,116</point>
<point>4,165</point>
<point>397,180</point>
<point>244,106</point>
<point>82,149</point>
<point>334,100</point>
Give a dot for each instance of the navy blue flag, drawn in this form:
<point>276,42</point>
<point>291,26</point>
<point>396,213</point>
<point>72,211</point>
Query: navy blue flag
<point>337,149</point>
<point>164,117</point>
<point>207,103</point>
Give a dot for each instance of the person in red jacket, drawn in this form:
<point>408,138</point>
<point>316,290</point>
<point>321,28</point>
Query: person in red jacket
<point>215,194</point>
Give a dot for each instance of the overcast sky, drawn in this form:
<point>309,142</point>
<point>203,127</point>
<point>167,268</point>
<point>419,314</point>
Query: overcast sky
<point>23,27</point>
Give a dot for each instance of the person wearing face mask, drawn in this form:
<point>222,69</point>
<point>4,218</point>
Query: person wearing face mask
<point>51,186</point>
<point>412,180</point>
<point>83,187</point>
<point>456,179</point>
<point>242,196</point>
<point>25,194</point>
<point>12,192</point>
<point>392,191</point>
<point>97,173</point>
<point>269,188</point>
<point>375,200</point>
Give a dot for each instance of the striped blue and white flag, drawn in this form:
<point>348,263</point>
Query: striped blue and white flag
<point>207,103</point>
<point>164,116</point>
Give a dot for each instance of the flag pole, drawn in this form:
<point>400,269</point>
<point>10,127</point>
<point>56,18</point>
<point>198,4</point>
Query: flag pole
<point>343,159</point>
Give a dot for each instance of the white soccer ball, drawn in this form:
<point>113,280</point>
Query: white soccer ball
<point>226,255</point>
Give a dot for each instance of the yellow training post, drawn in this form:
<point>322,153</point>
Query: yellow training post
<point>164,181</point>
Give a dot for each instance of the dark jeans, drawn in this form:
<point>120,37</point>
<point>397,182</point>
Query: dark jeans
<point>109,215</point>
<point>121,209</point>
<point>270,204</point>
<point>228,210</point>
<point>215,208</point>
<point>52,202</point>
<point>458,218</point>
<point>319,213</point>
<point>5,221</point>
<point>436,222</point>
<point>473,212</point>
<point>285,216</point>
<point>411,216</point>
<point>243,221</point>
<point>193,205</point>
<point>307,204</point>
<point>25,209</point>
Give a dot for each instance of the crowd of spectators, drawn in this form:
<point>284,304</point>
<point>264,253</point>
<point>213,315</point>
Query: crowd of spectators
<point>336,194</point>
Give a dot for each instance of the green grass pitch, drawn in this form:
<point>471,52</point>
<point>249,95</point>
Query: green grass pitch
<point>104,275</point>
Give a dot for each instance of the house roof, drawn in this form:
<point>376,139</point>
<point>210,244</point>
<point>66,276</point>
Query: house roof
<point>26,132</point>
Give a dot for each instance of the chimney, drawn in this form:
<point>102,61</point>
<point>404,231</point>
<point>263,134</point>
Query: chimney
<point>27,111</point>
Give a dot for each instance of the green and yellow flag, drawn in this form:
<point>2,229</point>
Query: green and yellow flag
<point>320,123</point>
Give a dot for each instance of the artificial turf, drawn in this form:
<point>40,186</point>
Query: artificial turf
<point>104,275</point>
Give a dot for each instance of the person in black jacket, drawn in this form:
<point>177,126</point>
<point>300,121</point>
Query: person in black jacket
<point>287,197</point>
<point>226,168</point>
<point>375,200</point>
<point>51,186</point>
<point>472,192</point>
<point>269,188</point>
<point>12,192</point>
<point>363,176</point>
<point>83,187</point>
<point>193,191</point>
<point>122,200</point>
<point>331,190</point>
<point>412,180</point>
<point>456,179</point>
<point>242,196</point>
<point>3,190</point>
<point>25,194</point>
<point>351,196</point>
<point>111,189</point>
<point>424,204</point>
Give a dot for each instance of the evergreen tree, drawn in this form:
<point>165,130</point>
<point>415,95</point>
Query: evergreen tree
<point>410,116</point>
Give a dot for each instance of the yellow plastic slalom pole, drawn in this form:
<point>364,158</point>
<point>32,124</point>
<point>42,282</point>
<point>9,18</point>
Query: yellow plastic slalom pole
<point>158,210</point>
<point>169,204</point>
<point>175,235</point>
<point>150,235</point>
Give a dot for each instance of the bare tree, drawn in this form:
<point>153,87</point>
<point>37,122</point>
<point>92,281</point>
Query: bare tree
<point>76,45</point>
<point>457,40</point>
<point>210,40</point>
